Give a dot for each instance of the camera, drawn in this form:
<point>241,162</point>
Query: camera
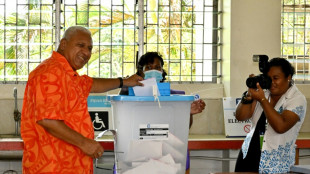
<point>263,79</point>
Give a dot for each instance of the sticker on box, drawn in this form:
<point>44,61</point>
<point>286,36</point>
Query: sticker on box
<point>153,131</point>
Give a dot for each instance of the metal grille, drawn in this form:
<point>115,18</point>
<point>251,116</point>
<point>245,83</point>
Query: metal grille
<point>113,28</point>
<point>22,42</point>
<point>185,32</point>
<point>296,36</point>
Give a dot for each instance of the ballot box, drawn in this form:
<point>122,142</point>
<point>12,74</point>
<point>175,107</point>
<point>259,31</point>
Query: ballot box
<point>152,133</point>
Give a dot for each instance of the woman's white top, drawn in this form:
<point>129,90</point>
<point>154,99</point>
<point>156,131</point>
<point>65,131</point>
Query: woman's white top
<point>278,151</point>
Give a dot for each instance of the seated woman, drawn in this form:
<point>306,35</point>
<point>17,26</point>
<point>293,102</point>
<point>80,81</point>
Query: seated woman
<point>276,116</point>
<point>151,65</point>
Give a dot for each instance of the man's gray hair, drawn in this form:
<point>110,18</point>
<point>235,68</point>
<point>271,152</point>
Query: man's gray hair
<point>71,30</point>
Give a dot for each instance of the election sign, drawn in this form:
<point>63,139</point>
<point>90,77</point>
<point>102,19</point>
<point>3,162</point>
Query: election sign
<point>233,127</point>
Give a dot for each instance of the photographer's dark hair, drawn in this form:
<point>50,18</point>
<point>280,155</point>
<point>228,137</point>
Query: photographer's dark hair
<point>285,65</point>
<point>148,58</point>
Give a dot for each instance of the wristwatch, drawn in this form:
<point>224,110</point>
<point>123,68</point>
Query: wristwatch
<point>244,99</point>
<point>120,82</point>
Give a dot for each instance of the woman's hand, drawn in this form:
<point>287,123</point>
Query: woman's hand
<point>197,106</point>
<point>257,94</point>
<point>246,110</point>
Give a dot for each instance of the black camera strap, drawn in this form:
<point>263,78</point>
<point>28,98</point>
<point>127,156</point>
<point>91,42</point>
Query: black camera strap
<point>261,124</point>
<point>251,162</point>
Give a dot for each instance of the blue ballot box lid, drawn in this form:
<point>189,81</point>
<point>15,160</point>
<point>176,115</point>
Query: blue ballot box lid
<point>151,98</point>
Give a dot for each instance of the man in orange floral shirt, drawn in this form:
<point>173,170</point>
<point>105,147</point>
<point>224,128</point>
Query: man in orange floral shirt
<point>56,127</point>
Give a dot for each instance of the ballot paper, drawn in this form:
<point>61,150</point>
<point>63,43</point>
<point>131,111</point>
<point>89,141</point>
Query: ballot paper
<point>155,167</point>
<point>174,141</point>
<point>147,89</point>
<point>140,150</point>
<point>167,159</point>
<point>163,158</point>
<point>168,149</point>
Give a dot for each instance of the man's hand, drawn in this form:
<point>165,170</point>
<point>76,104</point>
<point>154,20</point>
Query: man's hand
<point>60,130</point>
<point>103,85</point>
<point>92,148</point>
<point>133,80</point>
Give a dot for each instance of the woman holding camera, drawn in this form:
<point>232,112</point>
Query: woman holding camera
<point>276,116</point>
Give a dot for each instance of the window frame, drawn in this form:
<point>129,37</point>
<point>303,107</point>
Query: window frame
<point>216,42</point>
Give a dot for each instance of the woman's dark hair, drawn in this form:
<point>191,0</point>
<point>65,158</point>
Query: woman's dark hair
<point>148,58</point>
<point>285,65</point>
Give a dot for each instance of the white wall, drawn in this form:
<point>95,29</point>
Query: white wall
<point>250,27</point>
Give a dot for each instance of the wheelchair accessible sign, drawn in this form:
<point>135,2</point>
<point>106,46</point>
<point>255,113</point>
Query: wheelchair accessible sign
<point>99,108</point>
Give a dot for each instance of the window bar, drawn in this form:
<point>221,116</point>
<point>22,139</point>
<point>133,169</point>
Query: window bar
<point>145,27</point>
<point>220,48</point>
<point>158,7</point>
<point>99,45</point>
<point>88,4</point>
<point>53,39</point>
<point>141,27</point>
<point>180,58</point>
<point>57,23</point>
<point>16,47</point>
<point>282,26</point>
<point>304,57</point>
<point>28,38</point>
<point>4,43</point>
<point>192,45</point>
<point>215,39</point>
<point>123,33</point>
<point>169,41</point>
<point>136,54</point>
<point>192,35</point>
<point>294,22</point>
<point>111,40</point>
<point>76,11</point>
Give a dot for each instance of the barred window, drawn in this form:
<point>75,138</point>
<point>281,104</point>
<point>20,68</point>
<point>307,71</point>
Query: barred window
<point>296,36</point>
<point>26,37</point>
<point>185,32</point>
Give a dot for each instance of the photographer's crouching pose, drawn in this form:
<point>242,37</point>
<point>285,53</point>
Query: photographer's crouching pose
<point>277,114</point>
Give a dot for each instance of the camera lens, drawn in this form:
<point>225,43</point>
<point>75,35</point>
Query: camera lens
<point>251,82</point>
<point>263,80</point>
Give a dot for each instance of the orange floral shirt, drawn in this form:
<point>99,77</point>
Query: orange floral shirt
<point>55,91</point>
